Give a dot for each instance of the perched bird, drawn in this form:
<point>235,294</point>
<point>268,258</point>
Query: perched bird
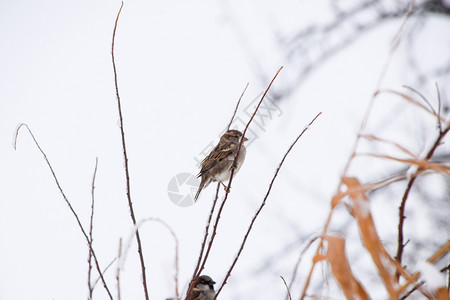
<point>218,164</point>
<point>203,290</point>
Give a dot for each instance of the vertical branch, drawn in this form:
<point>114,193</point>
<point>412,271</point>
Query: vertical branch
<point>401,209</point>
<point>127,175</point>
<point>237,106</point>
<point>97,265</point>
<point>90,230</point>
<point>262,205</point>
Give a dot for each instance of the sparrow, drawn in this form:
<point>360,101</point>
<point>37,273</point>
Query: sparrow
<point>203,290</point>
<point>218,164</point>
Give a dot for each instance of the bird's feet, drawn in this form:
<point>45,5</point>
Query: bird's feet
<point>224,186</point>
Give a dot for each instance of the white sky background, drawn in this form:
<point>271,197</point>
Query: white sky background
<point>181,68</point>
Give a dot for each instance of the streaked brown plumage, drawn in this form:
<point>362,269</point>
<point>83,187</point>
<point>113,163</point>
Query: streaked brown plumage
<point>217,165</point>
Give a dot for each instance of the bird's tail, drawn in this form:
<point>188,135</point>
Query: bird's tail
<point>204,183</point>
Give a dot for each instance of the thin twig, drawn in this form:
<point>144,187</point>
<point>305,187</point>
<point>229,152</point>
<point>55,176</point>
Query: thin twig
<point>371,137</point>
<point>287,288</point>
<point>262,205</point>
<point>423,98</point>
<point>103,272</point>
<point>413,101</point>
<point>127,174</point>
<point>237,106</point>
<point>67,202</point>
<point>91,221</point>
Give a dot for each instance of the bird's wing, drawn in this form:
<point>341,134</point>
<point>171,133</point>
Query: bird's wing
<point>216,155</point>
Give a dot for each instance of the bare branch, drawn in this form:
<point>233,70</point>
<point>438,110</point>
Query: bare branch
<point>67,202</point>
<point>237,105</point>
<point>127,175</point>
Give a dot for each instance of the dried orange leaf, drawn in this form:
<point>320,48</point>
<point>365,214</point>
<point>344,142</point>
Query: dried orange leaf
<point>341,269</point>
<point>361,212</point>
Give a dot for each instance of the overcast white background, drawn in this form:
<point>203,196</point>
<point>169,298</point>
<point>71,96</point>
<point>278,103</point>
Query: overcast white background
<point>181,68</point>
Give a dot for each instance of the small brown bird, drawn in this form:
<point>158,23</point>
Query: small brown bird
<point>218,164</point>
<point>203,290</point>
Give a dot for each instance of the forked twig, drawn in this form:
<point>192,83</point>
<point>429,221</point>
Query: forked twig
<point>67,202</point>
<point>127,174</point>
<point>262,205</point>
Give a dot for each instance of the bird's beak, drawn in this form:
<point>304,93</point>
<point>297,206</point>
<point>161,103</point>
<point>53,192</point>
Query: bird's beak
<point>245,139</point>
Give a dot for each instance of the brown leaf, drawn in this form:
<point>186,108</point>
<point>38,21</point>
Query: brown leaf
<point>341,269</point>
<point>361,212</point>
